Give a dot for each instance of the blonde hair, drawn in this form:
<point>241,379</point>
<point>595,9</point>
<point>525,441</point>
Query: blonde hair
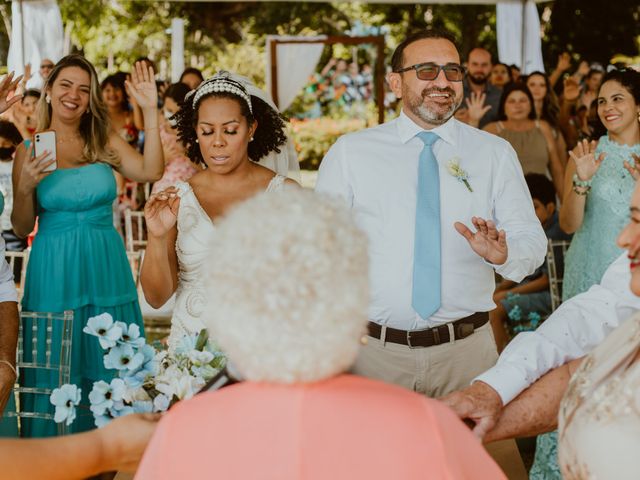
<point>95,126</point>
<point>287,287</point>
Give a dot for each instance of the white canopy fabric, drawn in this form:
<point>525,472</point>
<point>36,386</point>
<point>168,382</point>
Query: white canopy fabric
<point>515,46</point>
<point>36,33</point>
<point>296,62</point>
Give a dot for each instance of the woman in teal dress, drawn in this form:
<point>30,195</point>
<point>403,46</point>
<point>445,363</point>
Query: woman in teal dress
<point>78,261</point>
<point>595,206</point>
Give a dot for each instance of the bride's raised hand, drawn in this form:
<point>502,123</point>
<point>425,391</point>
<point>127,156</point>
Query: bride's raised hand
<point>584,155</point>
<point>161,212</point>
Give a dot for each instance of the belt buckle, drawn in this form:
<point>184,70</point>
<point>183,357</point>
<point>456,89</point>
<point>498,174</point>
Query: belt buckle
<point>409,344</point>
<point>464,330</point>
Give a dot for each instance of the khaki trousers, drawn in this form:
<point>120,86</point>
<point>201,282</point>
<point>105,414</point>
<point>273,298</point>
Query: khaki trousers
<point>439,370</point>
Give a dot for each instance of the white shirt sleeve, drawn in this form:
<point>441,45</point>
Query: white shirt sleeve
<point>332,174</point>
<point>7,286</point>
<point>572,331</point>
<point>514,213</point>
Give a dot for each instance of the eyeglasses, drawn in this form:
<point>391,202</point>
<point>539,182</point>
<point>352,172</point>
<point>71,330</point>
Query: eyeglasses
<point>430,71</point>
<point>46,66</point>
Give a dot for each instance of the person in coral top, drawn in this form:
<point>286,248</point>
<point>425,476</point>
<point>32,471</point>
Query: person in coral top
<point>291,320</point>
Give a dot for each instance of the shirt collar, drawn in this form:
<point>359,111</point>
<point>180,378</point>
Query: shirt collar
<point>408,129</point>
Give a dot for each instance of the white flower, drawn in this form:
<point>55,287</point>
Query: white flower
<point>101,420</point>
<point>179,383</point>
<point>65,400</point>
<point>200,358</point>
<point>454,168</point>
<point>103,327</point>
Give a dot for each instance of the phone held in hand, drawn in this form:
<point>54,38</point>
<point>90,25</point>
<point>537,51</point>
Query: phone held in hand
<point>46,141</point>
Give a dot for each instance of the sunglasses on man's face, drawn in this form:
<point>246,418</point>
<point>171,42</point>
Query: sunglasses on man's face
<point>430,71</point>
<point>46,66</point>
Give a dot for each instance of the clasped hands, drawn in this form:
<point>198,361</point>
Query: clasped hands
<point>488,242</point>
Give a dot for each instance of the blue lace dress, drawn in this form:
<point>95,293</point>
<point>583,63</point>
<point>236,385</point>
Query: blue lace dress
<point>592,250</point>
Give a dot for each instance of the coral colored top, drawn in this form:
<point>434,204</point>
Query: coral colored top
<point>344,428</point>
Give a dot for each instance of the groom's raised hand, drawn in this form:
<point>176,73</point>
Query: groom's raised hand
<point>487,241</point>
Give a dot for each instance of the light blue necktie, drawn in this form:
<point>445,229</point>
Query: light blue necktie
<point>426,250</point>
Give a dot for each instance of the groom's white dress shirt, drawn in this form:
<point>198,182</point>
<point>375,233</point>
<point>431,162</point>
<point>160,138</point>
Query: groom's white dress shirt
<point>375,171</point>
<point>573,330</point>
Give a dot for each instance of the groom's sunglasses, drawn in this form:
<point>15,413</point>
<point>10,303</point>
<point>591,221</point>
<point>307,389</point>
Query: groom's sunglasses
<point>430,71</point>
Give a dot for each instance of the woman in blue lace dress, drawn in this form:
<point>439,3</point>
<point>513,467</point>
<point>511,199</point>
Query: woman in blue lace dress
<point>78,261</point>
<point>598,187</point>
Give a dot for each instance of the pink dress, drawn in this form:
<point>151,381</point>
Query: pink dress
<point>343,428</point>
<point>178,167</point>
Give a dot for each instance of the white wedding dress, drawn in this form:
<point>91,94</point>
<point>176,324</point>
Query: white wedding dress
<point>195,230</point>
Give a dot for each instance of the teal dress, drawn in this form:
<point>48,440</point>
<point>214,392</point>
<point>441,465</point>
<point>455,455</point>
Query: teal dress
<point>77,262</point>
<point>592,250</point>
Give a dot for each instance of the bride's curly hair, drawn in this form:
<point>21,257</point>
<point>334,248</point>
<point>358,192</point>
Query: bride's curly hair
<point>269,136</point>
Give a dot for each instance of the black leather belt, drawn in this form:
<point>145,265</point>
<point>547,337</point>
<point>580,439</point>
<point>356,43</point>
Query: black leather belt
<point>431,336</point>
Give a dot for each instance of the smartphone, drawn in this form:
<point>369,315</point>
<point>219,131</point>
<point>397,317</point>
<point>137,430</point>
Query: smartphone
<point>46,141</point>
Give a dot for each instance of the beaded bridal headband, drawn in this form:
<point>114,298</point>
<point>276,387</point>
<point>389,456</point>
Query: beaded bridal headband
<point>221,82</point>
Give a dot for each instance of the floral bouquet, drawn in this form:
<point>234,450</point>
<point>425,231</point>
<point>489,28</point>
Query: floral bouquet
<point>149,380</point>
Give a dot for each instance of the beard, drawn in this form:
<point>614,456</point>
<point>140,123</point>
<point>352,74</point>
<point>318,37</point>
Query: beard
<point>432,113</point>
<point>478,78</point>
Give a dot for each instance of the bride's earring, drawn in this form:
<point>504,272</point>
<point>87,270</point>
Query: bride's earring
<point>47,99</point>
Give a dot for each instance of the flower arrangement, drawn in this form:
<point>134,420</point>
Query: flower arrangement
<point>149,380</point>
<point>458,172</point>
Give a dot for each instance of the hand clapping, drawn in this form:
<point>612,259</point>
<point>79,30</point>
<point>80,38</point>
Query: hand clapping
<point>161,211</point>
<point>487,241</point>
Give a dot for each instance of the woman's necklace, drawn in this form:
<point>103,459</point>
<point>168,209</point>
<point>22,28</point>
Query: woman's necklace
<point>74,139</point>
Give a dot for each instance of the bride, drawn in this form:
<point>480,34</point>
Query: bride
<point>226,125</point>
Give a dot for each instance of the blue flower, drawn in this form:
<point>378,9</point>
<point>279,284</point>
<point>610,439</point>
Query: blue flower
<point>534,318</point>
<point>123,357</point>
<point>131,334</point>
<point>120,409</point>
<point>103,395</point>
<point>102,326</point>
<point>142,406</point>
<point>515,313</point>
<point>65,400</point>
<point>101,420</point>
<point>134,378</point>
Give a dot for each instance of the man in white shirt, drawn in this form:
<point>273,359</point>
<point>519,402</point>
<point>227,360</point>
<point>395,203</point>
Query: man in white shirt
<point>573,330</point>
<point>378,171</point>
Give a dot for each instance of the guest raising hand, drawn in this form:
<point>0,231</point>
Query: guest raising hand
<point>78,261</point>
<point>226,129</point>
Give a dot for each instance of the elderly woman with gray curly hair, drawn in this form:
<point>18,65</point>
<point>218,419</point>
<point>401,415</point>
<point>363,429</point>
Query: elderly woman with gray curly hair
<point>288,294</point>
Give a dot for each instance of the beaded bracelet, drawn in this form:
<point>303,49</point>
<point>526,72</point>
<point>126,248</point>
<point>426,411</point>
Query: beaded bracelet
<point>581,183</point>
<point>581,187</point>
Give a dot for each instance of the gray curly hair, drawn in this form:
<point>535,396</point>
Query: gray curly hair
<point>288,287</point>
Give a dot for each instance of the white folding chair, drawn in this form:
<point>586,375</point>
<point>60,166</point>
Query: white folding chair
<point>135,230</point>
<point>39,333</point>
<point>135,262</point>
<point>555,262</point>
<point>21,259</point>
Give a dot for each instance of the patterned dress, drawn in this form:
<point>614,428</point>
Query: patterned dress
<point>605,214</point>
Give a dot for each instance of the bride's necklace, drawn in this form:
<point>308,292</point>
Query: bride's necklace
<point>74,139</point>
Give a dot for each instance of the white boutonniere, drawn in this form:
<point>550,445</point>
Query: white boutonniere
<point>458,172</point>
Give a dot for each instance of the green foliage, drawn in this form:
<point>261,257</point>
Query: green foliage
<point>592,30</point>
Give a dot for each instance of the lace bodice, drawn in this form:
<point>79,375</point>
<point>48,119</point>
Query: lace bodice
<point>599,420</point>
<point>195,230</point>
<point>606,212</point>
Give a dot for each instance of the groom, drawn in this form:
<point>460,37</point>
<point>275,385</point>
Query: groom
<point>414,183</point>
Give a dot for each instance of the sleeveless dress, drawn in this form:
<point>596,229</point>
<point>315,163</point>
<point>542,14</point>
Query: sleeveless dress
<point>77,262</point>
<point>599,418</point>
<point>531,147</point>
<point>605,214</point>
<point>195,229</point>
